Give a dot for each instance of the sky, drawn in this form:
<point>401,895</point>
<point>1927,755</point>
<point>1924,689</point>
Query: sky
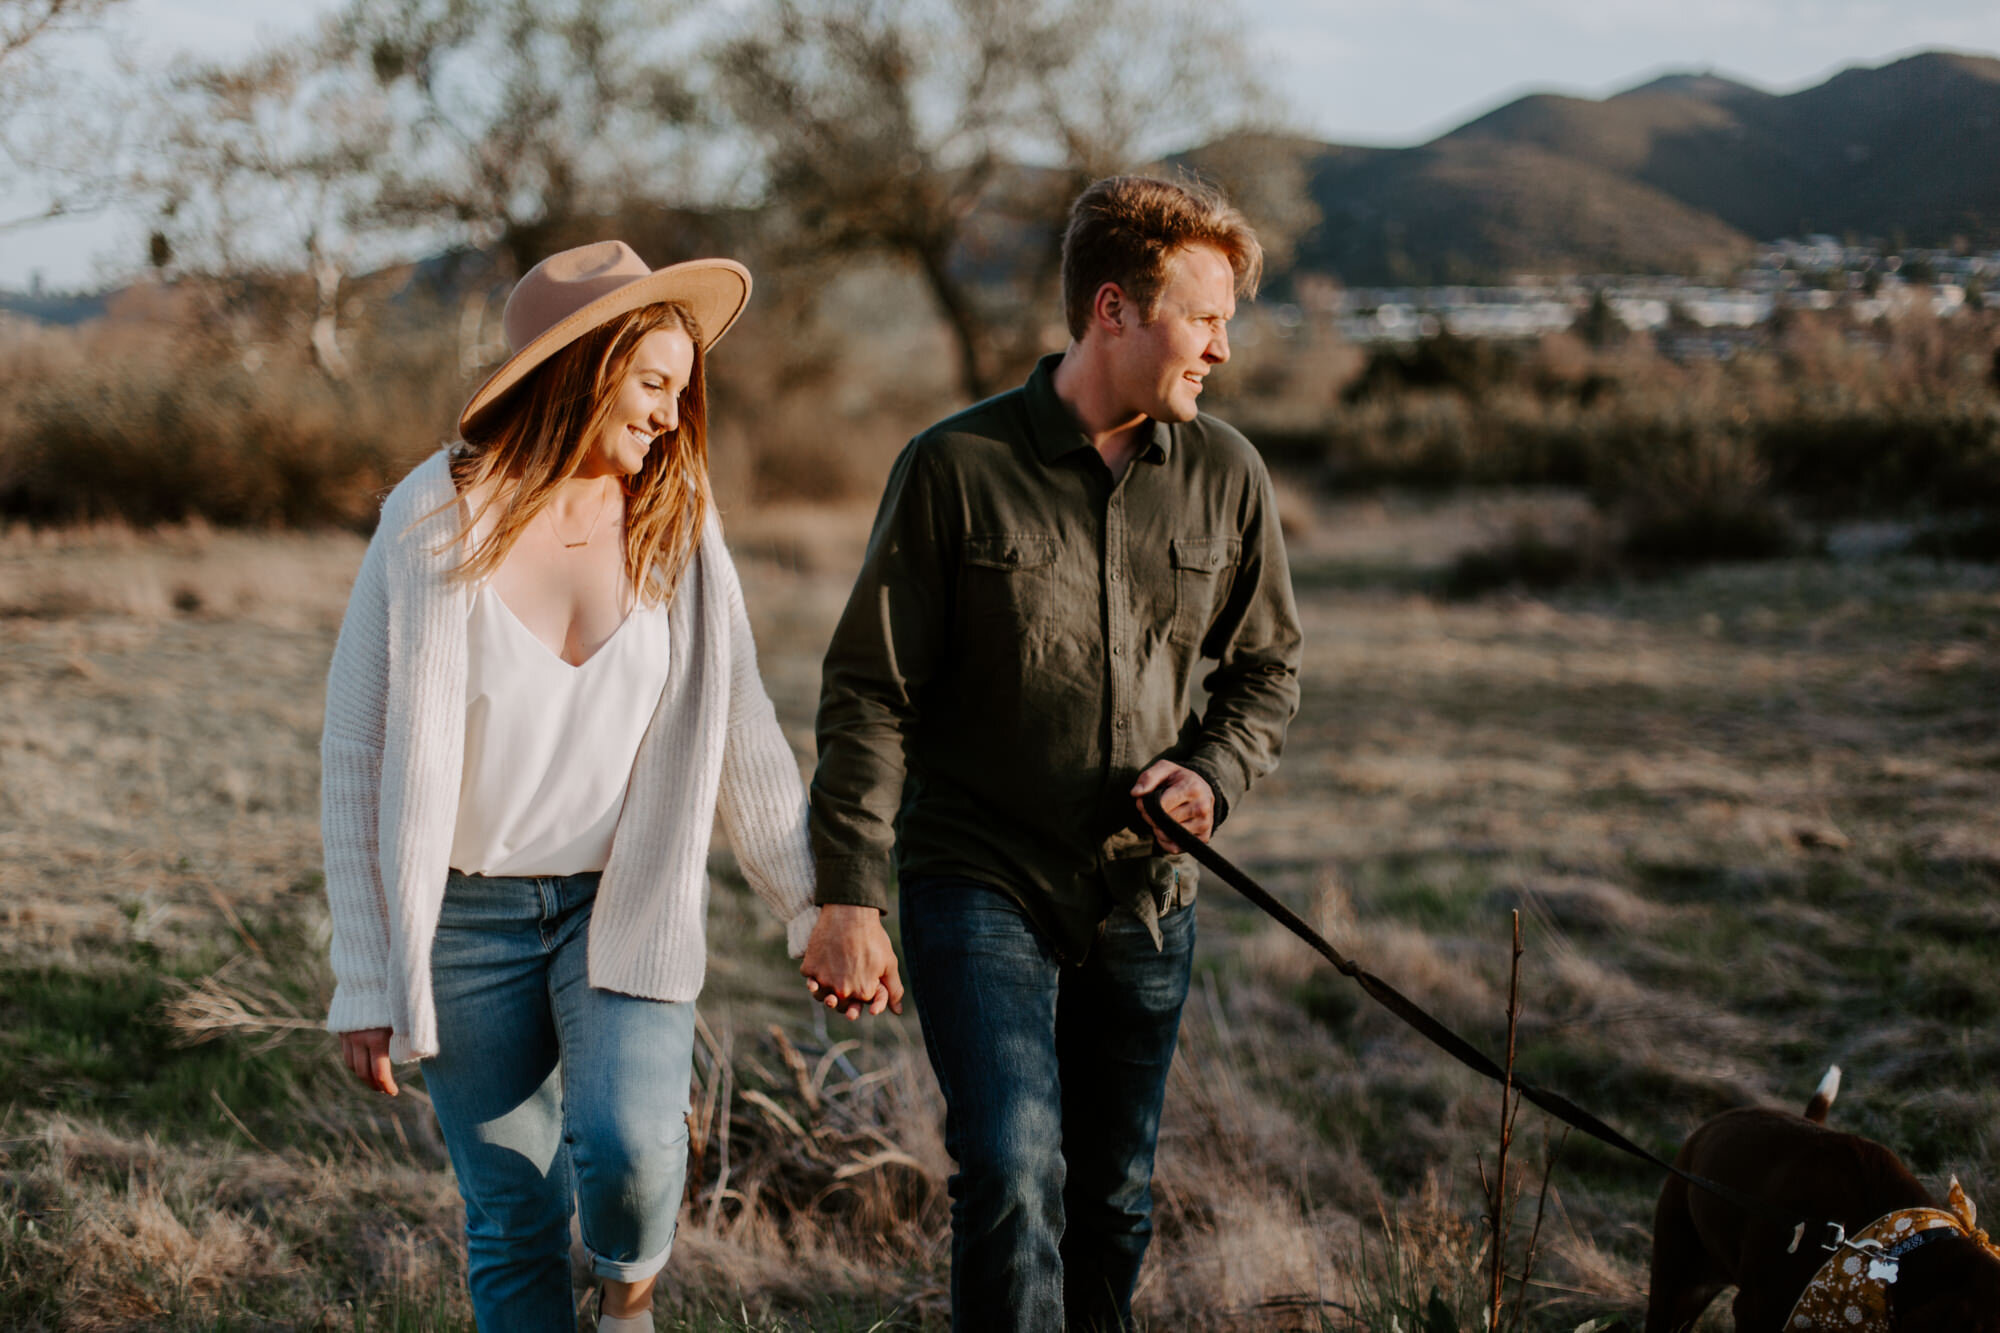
<point>1389,72</point>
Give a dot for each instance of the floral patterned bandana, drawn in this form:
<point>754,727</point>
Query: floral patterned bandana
<point>1851,1290</point>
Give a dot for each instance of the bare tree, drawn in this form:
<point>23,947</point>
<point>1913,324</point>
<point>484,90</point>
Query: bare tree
<point>42,154</point>
<point>25,22</point>
<point>405,126</point>
<point>951,134</point>
<point>514,119</point>
<point>263,169</point>
<point>483,122</point>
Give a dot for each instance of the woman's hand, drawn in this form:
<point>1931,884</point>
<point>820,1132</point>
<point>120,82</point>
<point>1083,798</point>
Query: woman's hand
<point>366,1053</point>
<point>849,964</point>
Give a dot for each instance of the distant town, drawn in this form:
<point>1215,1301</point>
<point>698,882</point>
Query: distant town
<point>1688,318</point>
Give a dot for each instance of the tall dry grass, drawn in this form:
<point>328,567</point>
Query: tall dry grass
<point>1747,814</point>
<point>168,411</point>
<point>157,812</point>
<point>108,1230</point>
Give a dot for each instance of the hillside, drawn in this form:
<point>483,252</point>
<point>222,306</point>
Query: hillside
<point>1683,172</point>
<point>1466,211</point>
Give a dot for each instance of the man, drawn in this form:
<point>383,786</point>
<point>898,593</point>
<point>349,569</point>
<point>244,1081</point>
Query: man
<point>1016,665</point>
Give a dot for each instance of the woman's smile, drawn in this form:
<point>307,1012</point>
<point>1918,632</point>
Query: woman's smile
<point>648,397</point>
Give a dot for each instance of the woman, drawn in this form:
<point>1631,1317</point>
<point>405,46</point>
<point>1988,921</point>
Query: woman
<point>543,691</point>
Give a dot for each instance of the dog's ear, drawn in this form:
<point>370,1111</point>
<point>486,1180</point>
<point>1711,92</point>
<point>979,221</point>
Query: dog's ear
<point>1961,1207</point>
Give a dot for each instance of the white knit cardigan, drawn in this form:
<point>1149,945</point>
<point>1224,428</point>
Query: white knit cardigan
<point>394,747</point>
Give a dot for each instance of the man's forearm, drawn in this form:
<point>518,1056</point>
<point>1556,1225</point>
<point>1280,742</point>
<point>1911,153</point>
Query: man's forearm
<point>1243,728</point>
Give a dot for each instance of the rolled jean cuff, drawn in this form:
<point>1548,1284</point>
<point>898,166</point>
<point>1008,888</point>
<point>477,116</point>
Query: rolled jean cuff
<point>636,1270</point>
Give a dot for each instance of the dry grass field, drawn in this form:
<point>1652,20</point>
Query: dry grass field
<point>1748,815</point>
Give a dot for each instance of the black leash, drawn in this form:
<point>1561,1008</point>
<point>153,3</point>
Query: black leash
<point>1557,1105</point>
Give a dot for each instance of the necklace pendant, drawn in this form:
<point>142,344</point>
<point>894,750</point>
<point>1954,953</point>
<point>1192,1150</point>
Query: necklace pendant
<point>588,532</point>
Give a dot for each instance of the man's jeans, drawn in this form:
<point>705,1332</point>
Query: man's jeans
<point>1053,1079</point>
<point>540,1081</point>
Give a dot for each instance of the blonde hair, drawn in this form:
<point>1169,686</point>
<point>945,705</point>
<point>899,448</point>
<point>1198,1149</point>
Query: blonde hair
<point>1124,229</point>
<point>539,435</point>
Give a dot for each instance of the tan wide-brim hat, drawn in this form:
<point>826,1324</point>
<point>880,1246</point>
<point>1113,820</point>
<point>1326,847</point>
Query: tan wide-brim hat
<point>573,291</point>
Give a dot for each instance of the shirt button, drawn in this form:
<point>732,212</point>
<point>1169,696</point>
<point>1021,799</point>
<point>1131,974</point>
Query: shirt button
<point>1118,650</point>
<point>1120,724</point>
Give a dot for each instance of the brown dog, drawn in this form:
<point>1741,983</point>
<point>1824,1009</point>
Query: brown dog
<point>1702,1244</point>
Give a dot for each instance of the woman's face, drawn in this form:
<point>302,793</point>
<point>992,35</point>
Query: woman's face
<point>646,403</point>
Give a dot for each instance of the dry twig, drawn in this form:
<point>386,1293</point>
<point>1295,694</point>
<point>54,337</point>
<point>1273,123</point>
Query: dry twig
<point>208,1009</point>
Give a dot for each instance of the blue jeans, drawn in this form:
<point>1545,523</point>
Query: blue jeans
<point>542,1084</point>
<point>1053,1078</point>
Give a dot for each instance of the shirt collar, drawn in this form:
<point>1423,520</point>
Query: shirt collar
<point>1054,431</point>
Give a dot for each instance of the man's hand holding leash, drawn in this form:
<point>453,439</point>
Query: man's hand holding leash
<point>1184,794</point>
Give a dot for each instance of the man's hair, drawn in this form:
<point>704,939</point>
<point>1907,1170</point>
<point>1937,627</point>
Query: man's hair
<point>1124,229</point>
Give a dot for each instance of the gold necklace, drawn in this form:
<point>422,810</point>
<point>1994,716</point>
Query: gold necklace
<point>588,532</point>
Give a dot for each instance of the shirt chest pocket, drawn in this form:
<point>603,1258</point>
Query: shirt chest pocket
<point>1008,576</point>
<point>1204,568</point>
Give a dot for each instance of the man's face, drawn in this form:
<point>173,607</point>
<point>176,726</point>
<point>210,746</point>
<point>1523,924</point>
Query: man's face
<point>1164,362</point>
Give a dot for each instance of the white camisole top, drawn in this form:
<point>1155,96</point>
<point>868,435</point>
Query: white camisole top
<point>549,746</point>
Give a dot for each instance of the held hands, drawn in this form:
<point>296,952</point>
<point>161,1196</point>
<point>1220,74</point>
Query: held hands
<point>849,964</point>
<point>366,1055</point>
<point>1184,794</point>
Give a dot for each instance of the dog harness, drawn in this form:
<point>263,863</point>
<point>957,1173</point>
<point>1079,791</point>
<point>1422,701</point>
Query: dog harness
<point>1851,1290</point>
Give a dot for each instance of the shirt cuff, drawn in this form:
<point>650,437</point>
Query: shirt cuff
<point>356,1010</point>
<point>1225,790</point>
<point>855,881</point>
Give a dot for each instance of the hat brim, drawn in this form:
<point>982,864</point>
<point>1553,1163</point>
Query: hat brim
<point>715,290</point>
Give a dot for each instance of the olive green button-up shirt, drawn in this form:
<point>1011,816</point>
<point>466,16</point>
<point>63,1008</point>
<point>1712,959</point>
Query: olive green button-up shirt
<point>1025,636</point>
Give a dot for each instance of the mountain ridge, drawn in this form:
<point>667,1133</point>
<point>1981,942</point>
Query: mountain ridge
<point>1685,172</point>
<point>1707,86</point>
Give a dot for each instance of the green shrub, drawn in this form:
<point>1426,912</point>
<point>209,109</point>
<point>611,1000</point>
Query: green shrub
<point>1528,560</point>
<point>1943,456</point>
<point>1682,493</point>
